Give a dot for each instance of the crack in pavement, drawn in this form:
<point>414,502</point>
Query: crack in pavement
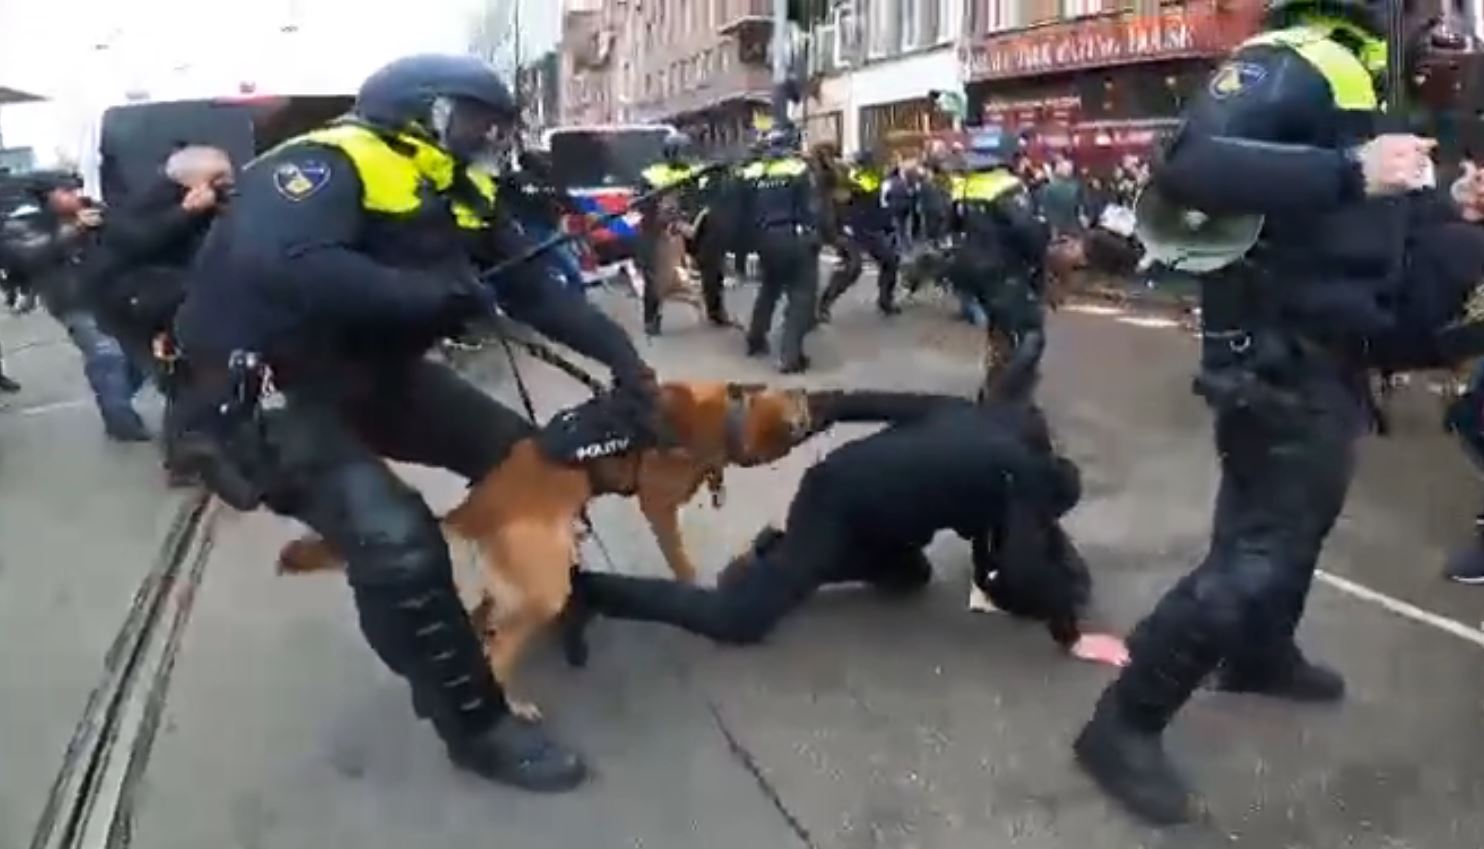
<point>743,756</point>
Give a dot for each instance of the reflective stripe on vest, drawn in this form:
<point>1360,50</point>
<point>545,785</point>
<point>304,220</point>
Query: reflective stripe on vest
<point>391,180</point>
<point>775,168</point>
<point>984,187</point>
<point>665,175</point>
<point>866,180</point>
<point>1349,81</point>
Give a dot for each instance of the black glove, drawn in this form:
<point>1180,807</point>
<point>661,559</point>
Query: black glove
<point>462,299</point>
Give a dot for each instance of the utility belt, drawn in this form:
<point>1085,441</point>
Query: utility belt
<point>221,433</point>
<point>1251,358</point>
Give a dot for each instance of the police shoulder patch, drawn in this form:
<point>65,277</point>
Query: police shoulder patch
<point>1233,78</point>
<point>301,180</point>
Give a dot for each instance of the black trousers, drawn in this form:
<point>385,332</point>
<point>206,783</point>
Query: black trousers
<point>820,548</point>
<point>326,448</point>
<point>645,251</point>
<point>851,247</point>
<point>1016,324</point>
<point>709,249</point>
<point>1284,477</point>
<point>790,263</point>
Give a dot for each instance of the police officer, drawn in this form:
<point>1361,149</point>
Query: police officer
<point>997,263</point>
<point>661,212</point>
<point>345,255</point>
<point>783,206</point>
<point>717,230</point>
<point>1285,129</point>
<point>867,227</point>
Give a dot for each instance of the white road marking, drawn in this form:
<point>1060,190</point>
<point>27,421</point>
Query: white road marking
<point>1095,309</point>
<point>41,409</point>
<point>1148,321</point>
<point>1403,608</point>
<point>1345,585</point>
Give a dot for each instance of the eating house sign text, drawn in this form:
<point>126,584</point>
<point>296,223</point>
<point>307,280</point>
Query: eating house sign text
<point>1099,43</point>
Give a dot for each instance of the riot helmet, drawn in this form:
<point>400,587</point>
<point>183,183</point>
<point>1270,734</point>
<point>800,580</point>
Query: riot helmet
<point>676,147</point>
<point>457,101</point>
<point>781,140</point>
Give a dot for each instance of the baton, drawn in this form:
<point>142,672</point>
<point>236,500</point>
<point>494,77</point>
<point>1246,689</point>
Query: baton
<point>557,240</point>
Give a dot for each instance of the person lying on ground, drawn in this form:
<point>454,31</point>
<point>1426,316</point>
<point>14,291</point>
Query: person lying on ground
<point>863,515</point>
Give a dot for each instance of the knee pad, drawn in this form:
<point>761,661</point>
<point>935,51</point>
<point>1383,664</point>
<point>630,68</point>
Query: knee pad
<point>1228,594</point>
<point>396,539</point>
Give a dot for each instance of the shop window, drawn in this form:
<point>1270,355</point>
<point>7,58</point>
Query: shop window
<point>986,16</point>
<point>1042,11</point>
<point>909,25</point>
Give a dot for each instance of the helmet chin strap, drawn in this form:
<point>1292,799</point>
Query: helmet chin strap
<point>440,121</point>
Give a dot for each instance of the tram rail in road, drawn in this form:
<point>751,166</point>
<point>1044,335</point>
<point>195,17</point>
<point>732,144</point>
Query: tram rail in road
<point>91,803</point>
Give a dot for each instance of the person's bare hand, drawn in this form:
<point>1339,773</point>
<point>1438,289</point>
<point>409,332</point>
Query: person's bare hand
<point>1101,648</point>
<point>89,217</point>
<point>1468,193</point>
<point>1395,163</point>
<point>199,198</point>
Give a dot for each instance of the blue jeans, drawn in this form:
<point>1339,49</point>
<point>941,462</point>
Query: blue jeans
<point>113,378</point>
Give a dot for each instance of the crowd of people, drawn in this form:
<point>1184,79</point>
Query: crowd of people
<point>285,310</point>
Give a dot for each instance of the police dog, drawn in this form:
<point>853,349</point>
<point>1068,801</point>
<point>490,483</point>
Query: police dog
<point>519,525</point>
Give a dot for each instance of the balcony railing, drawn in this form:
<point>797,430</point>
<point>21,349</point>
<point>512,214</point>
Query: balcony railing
<point>729,84</point>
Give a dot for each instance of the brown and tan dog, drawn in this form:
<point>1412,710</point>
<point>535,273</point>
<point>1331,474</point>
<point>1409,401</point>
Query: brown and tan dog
<point>520,521</point>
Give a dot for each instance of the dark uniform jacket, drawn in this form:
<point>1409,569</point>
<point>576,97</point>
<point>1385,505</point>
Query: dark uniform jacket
<point>997,223</point>
<point>781,193</point>
<point>1273,134</point>
<point>866,211</point>
<point>342,244</point>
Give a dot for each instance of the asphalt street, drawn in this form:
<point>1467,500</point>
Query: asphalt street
<point>860,723</point>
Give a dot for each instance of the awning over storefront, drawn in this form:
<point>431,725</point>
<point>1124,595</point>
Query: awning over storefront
<point>15,95</point>
<point>1194,29</point>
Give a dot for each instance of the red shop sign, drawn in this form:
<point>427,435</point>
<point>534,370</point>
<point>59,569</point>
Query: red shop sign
<point>1102,42</point>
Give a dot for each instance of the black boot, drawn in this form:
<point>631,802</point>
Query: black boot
<point>8,386</point>
<point>1466,566</point>
<point>652,325</point>
<point>827,298</point>
<point>797,365</point>
<point>1291,676</point>
<point>124,425</point>
<point>1121,748</point>
<point>421,631</point>
<point>757,347</point>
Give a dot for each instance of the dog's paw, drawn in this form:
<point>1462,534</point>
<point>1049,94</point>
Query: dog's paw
<point>309,554</point>
<point>524,710</point>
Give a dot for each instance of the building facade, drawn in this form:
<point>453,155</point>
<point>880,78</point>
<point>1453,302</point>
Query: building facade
<point>703,65</point>
<point>1095,78</point>
<point>586,61</point>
